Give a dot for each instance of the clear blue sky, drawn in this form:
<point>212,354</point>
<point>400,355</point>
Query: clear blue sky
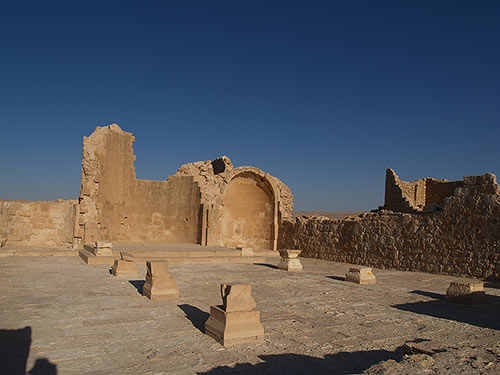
<point>323,94</point>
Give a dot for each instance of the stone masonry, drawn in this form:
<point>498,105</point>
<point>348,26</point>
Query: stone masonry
<point>462,239</point>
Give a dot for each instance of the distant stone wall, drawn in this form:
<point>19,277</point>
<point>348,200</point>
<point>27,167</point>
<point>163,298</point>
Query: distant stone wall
<point>44,224</point>
<point>413,196</point>
<point>463,239</point>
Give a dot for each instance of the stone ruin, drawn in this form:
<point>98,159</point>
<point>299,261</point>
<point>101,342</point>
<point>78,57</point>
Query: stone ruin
<point>428,225</point>
<point>206,203</point>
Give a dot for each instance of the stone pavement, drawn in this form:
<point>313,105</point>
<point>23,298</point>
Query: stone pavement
<point>85,321</point>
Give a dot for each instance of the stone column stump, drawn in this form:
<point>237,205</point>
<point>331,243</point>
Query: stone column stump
<point>159,285</point>
<point>289,260</point>
<point>466,291</point>
<point>361,275</point>
<point>125,267</point>
<point>235,322</point>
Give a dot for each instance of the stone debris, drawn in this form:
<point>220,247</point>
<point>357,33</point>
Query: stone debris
<point>235,322</point>
<point>361,275</point>
<point>125,267</point>
<point>159,285</point>
<point>289,260</point>
<point>246,251</point>
<point>466,291</point>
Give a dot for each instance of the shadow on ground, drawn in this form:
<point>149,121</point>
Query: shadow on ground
<point>195,315</point>
<point>267,265</point>
<point>484,315</point>
<point>341,363</point>
<point>14,351</point>
<point>138,284</point>
<point>339,278</point>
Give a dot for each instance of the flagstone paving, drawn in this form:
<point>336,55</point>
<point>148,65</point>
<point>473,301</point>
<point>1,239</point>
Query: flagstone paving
<point>83,320</point>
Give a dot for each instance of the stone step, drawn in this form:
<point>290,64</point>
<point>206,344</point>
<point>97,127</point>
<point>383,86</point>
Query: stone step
<point>174,257</point>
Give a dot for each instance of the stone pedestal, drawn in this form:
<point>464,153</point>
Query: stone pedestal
<point>289,260</point>
<point>361,275</point>
<point>246,251</point>
<point>159,285</point>
<point>125,267</point>
<point>235,321</point>
<point>466,291</point>
<point>102,249</point>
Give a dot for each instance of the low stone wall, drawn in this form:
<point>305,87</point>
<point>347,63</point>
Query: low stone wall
<point>463,239</point>
<point>43,224</point>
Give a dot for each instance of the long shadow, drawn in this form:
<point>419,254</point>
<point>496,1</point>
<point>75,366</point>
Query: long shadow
<point>484,315</point>
<point>341,363</point>
<point>138,284</point>
<point>14,351</point>
<point>428,294</point>
<point>195,315</point>
<point>267,265</point>
<point>339,278</point>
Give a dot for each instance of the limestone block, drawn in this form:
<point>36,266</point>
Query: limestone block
<point>103,249</point>
<point>237,297</point>
<point>466,291</point>
<point>159,285</point>
<point>124,269</point>
<point>289,260</point>
<point>235,322</point>
<point>246,251</point>
<point>361,275</point>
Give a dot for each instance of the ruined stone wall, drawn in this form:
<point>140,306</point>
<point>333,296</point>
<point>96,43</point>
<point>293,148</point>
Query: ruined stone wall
<point>438,190</point>
<point>463,239</point>
<point>115,206</point>
<point>413,196</point>
<point>41,224</point>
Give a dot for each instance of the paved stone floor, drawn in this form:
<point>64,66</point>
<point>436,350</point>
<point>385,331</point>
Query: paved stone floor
<point>82,320</point>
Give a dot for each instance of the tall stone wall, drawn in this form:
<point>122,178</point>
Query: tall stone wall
<point>115,206</point>
<point>43,223</point>
<point>463,239</point>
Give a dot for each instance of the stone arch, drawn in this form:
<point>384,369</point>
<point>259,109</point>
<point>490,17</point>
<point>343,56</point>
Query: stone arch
<point>250,210</point>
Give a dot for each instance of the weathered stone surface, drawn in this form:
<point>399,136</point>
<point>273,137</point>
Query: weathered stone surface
<point>235,322</point>
<point>237,297</point>
<point>41,224</point>
<point>159,285</point>
<point>361,275</point>
<point>102,249</point>
<point>246,251</point>
<point>124,268</point>
<point>289,260</point>
<point>466,291</point>
<point>462,239</point>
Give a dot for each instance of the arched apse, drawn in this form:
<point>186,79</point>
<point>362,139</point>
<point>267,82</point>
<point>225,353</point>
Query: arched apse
<point>250,212</point>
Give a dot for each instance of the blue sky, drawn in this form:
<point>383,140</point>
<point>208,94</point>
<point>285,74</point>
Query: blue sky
<point>323,94</point>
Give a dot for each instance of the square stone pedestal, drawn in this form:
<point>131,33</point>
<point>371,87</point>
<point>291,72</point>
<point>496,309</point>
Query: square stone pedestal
<point>125,267</point>
<point>289,260</point>
<point>361,275</point>
<point>466,291</point>
<point>235,322</point>
<point>100,248</point>
<point>159,286</point>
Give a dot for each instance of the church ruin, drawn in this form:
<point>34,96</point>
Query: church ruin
<point>206,203</point>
